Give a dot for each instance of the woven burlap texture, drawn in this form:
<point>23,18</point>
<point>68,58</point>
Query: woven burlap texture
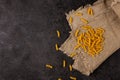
<point>105,16</point>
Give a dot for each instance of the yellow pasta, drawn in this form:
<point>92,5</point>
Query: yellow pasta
<point>84,20</point>
<point>70,67</point>
<point>59,79</point>
<point>86,27</point>
<point>76,33</point>
<point>78,14</point>
<point>58,34</point>
<point>86,43</point>
<point>56,47</point>
<point>78,42</point>
<point>91,40</point>
<point>70,20</point>
<point>73,78</point>
<point>73,54</point>
<point>90,11</point>
<point>80,37</point>
<point>49,66</point>
<point>84,48</point>
<point>98,42</point>
<point>93,43</point>
<point>77,46</point>
<point>64,63</point>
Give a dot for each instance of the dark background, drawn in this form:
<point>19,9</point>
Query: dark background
<point>28,36</point>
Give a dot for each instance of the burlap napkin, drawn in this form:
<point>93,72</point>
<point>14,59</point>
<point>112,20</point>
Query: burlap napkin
<point>106,17</point>
<point>116,7</point>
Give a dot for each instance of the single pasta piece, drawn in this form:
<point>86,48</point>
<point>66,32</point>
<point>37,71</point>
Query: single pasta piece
<point>64,63</point>
<point>56,47</point>
<point>86,27</point>
<point>93,43</point>
<point>77,46</point>
<point>89,43</point>
<point>70,67</point>
<point>90,11</point>
<point>84,48</point>
<point>73,78</point>
<point>70,20</point>
<point>80,37</point>
<point>73,54</point>
<point>84,20</point>
<point>78,14</point>
<point>76,33</point>
<point>59,79</point>
<point>49,66</point>
<point>58,33</point>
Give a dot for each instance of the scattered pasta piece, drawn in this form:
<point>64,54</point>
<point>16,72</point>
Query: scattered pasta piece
<point>70,20</point>
<point>84,20</point>
<point>49,66</point>
<point>86,27</point>
<point>59,79</point>
<point>90,11</point>
<point>78,14</point>
<point>64,63</point>
<point>56,47</point>
<point>76,33</point>
<point>77,46</point>
<point>73,54</point>
<point>70,67</point>
<point>73,78</point>
<point>58,34</point>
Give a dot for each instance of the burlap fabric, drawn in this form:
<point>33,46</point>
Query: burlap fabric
<point>105,16</point>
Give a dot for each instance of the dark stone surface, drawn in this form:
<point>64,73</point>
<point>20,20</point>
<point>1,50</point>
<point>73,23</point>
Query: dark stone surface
<point>27,39</point>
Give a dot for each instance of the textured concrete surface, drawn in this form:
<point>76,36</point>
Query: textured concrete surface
<point>27,39</point>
